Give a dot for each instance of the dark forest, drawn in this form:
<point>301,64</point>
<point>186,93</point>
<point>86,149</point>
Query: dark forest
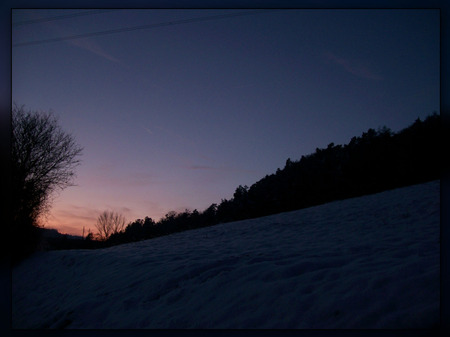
<point>376,161</point>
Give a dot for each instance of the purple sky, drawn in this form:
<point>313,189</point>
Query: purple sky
<point>177,116</point>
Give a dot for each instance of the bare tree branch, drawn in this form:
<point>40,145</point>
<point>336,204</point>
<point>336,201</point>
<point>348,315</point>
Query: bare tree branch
<point>44,158</point>
<point>109,223</point>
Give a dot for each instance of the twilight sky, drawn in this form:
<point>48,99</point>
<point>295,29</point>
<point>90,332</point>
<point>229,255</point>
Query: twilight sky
<point>177,116</point>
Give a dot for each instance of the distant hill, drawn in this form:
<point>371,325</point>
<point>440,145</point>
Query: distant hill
<point>54,234</point>
<point>376,161</point>
<point>51,239</point>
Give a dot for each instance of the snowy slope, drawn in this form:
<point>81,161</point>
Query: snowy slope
<point>368,262</point>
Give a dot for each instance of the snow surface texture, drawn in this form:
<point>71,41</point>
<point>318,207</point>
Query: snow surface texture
<point>368,262</point>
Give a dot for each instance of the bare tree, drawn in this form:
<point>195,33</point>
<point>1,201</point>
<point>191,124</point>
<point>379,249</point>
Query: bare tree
<point>43,160</point>
<point>109,223</point>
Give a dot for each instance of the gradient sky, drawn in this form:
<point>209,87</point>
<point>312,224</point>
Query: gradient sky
<point>177,116</point>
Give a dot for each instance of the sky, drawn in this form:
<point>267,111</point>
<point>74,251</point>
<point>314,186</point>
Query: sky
<point>177,115</point>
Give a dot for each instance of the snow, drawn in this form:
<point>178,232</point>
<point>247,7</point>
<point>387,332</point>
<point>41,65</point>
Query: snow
<point>367,262</point>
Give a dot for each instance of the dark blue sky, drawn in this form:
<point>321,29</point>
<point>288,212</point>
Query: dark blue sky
<point>178,116</point>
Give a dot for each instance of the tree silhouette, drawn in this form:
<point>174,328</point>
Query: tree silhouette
<point>43,159</point>
<point>109,223</point>
<point>375,161</point>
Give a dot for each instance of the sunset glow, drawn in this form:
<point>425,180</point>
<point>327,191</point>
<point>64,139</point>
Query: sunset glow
<point>177,116</point>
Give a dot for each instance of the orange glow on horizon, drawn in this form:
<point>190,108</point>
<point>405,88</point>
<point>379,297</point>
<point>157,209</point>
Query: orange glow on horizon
<point>69,225</point>
<point>70,219</point>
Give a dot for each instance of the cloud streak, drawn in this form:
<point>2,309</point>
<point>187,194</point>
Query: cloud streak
<point>354,67</point>
<point>150,132</point>
<point>93,47</point>
<point>107,175</point>
<point>212,168</point>
<point>71,219</point>
<point>88,44</point>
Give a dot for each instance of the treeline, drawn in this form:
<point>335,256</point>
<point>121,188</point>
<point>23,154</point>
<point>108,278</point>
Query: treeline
<point>376,161</point>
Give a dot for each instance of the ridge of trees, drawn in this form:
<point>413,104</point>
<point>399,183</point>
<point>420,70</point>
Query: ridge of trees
<point>377,160</point>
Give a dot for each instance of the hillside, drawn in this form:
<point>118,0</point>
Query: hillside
<point>365,262</point>
<point>376,161</point>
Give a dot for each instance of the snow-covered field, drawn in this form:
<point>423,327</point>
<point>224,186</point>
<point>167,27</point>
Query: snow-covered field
<point>368,262</point>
